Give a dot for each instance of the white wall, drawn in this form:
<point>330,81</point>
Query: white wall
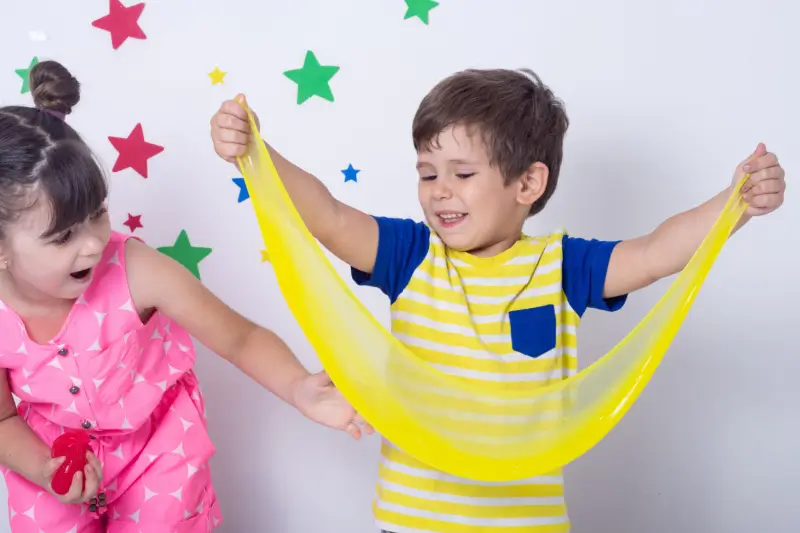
<point>665,99</point>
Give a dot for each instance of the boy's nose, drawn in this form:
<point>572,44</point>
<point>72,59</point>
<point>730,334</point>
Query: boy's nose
<point>442,191</point>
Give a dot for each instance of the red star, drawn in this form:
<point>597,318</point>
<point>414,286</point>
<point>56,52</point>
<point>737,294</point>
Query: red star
<point>121,22</point>
<point>134,222</point>
<point>134,151</point>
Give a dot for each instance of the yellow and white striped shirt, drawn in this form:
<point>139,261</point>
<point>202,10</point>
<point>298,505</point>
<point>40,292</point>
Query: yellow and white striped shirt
<point>510,319</point>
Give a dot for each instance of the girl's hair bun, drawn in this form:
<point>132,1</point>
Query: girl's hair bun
<point>54,88</point>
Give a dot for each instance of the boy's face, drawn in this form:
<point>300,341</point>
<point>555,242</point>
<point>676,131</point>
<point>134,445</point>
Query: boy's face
<point>464,198</point>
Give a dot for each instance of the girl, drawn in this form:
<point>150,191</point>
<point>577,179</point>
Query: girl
<point>95,335</point>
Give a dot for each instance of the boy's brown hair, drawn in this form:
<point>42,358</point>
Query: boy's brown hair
<point>518,117</point>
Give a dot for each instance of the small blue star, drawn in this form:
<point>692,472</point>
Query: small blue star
<point>244,194</point>
<point>350,174</point>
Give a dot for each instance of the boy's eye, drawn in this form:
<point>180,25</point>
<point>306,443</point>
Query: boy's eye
<point>465,175</point>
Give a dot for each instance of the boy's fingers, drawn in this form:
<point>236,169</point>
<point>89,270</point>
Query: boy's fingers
<point>232,137</point>
<point>761,163</point>
<point>227,121</point>
<point>758,153</point>
<point>231,107</point>
<point>765,179</point>
<point>768,201</point>
<point>240,99</point>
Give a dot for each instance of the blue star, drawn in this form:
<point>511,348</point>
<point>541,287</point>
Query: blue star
<point>350,174</point>
<point>244,194</point>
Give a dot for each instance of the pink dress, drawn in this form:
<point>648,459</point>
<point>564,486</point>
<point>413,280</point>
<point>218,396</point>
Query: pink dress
<point>131,386</point>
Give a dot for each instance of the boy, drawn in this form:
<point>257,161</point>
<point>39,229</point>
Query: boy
<point>472,294</point>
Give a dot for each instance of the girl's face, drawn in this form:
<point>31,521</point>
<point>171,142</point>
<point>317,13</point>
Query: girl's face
<point>55,267</point>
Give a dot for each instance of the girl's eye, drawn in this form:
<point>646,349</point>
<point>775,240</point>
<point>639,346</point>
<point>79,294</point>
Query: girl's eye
<point>64,237</point>
<point>102,211</point>
<point>427,178</point>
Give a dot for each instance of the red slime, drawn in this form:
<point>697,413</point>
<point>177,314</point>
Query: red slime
<point>73,445</point>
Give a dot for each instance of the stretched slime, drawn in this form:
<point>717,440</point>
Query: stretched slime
<point>471,429</point>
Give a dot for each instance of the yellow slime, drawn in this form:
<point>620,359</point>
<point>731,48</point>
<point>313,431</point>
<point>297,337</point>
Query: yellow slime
<point>450,423</point>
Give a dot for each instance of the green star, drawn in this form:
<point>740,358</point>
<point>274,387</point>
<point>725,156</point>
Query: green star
<point>184,253</point>
<point>25,74</point>
<point>312,79</point>
<point>420,9</point>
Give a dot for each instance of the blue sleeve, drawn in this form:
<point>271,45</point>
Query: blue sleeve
<point>584,268</point>
<point>402,246</point>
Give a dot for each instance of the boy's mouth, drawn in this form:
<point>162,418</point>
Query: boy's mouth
<point>449,219</point>
<point>81,274</point>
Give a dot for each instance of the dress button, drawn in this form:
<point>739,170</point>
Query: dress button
<point>63,351</point>
<point>86,424</point>
<point>74,389</point>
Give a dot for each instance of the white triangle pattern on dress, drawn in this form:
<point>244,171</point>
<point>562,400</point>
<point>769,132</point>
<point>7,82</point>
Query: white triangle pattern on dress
<point>72,370</point>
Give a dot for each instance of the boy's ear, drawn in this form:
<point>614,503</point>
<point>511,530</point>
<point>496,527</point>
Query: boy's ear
<point>532,183</point>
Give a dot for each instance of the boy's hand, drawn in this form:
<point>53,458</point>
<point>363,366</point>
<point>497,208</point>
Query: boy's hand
<point>764,190</point>
<point>317,398</point>
<point>230,129</point>
<point>93,472</point>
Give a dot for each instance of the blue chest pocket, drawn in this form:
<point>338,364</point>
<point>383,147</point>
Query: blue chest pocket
<point>533,330</point>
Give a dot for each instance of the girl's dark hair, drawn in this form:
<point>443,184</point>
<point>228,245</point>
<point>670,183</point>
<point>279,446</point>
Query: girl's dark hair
<point>39,150</point>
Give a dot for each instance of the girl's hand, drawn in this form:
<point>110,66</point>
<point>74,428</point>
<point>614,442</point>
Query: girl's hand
<point>318,399</point>
<point>93,472</point>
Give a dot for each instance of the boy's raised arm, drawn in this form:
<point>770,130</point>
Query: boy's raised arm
<point>350,234</point>
<point>639,262</point>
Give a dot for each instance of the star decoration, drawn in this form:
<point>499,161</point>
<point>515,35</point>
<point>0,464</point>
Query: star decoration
<point>134,151</point>
<point>312,79</point>
<point>350,174</point>
<point>133,222</point>
<point>121,22</point>
<point>244,194</point>
<point>25,74</point>
<point>264,256</point>
<point>217,76</point>
<point>184,253</point>
<point>420,9</point>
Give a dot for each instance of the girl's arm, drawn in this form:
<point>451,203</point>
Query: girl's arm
<point>20,449</point>
<point>158,282</point>
<point>23,452</point>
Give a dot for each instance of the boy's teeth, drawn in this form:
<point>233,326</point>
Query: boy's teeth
<point>450,217</point>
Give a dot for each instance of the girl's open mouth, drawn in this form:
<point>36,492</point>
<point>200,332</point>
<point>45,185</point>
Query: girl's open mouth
<point>81,274</point>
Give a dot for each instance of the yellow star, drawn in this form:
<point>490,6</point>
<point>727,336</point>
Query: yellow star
<point>217,76</point>
<point>264,256</point>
